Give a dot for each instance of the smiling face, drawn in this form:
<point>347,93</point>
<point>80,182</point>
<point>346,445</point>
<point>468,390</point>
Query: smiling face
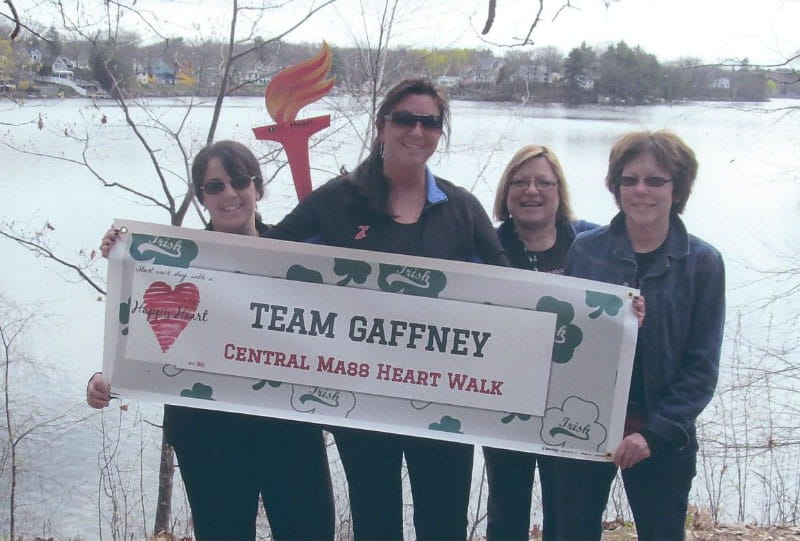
<point>231,211</point>
<point>408,148</point>
<point>646,207</point>
<point>533,207</point>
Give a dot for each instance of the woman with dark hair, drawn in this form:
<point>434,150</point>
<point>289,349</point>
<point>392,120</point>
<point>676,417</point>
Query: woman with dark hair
<point>676,363</point>
<point>227,460</point>
<point>393,203</point>
<point>537,228</point>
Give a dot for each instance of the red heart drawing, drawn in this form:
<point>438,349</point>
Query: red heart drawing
<point>170,310</point>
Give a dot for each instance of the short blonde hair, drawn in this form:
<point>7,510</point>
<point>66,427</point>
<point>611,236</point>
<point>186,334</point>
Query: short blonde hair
<point>529,152</point>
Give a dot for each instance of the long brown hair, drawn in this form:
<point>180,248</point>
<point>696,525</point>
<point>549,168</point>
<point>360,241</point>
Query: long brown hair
<point>368,177</point>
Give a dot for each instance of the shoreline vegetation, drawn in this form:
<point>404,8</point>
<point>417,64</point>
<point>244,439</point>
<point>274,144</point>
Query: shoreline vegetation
<point>25,96</point>
<point>614,74</point>
<point>55,92</point>
<point>510,91</point>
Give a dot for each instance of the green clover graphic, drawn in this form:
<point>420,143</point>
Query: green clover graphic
<point>357,271</point>
<point>299,273</point>
<point>604,302</point>
<point>261,383</point>
<point>125,315</point>
<point>568,336</point>
<point>511,416</point>
<point>199,390</point>
<point>447,424</point>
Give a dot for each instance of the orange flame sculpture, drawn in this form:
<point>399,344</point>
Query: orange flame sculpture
<point>288,92</point>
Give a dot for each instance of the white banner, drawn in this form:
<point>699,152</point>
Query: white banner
<point>418,346</point>
<point>354,339</point>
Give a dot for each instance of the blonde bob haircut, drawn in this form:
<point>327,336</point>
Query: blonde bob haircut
<point>529,152</point>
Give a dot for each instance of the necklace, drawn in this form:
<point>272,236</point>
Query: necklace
<point>533,259</point>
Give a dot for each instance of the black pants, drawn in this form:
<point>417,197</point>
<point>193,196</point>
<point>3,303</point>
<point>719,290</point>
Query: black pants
<point>657,489</point>
<point>440,474</point>
<point>228,460</point>
<point>510,475</point>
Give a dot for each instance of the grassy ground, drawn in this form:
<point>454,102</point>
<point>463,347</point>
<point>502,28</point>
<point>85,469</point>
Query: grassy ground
<point>725,532</point>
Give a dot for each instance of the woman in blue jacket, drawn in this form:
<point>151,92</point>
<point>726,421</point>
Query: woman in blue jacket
<point>537,228</point>
<point>676,364</point>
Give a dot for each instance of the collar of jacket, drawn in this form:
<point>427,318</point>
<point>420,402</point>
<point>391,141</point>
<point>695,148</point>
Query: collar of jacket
<point>675,246</point>
<point>261,227</point>
<point>507,232</point>
<point>434,193</point>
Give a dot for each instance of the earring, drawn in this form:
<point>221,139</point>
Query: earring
<point>381,150</point>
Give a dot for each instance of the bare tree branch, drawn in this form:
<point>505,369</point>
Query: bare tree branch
<point>18,24</point>
<point>489,17</point>
<point>15,18</point>
<point>85,163</point>
<point>527,39</point>
<point>22,421</point>
<point>283,34</point>
<point>41,249</point>
<point>232,58</point>
<point>521,42</point>
<point>741,63</point>
<point>138,14</point>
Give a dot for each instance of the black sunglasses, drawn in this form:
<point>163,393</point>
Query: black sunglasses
<point>653,182</point>
<point>409,120</point>
<point>213,187</point>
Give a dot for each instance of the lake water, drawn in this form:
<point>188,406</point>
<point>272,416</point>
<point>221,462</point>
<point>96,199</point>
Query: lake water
<point>745,202</point>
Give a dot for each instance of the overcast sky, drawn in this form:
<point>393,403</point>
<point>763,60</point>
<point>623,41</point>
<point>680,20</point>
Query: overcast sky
<point>765,31</point>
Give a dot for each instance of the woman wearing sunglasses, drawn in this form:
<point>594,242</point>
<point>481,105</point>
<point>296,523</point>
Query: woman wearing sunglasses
<point>676,363</point>
<point>392,202</point>
<point>228,460</point>
<point>537,228</point>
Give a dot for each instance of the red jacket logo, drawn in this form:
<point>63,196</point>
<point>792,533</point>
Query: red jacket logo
<point>362,232</point>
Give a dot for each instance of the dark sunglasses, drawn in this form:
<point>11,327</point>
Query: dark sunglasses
<point>409,120</point>
<point>213,187</point>
<point>653,182</point>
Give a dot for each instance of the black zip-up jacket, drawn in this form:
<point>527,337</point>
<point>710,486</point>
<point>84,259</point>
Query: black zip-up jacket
<point>453,224</point>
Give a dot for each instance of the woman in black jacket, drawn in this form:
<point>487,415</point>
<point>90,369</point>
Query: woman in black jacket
<point>393,203</point>
<point>537,228</point>
<point>227,460</point>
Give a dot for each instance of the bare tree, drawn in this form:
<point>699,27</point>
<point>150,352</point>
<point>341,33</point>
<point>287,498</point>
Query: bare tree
<point>174,192</point>
<point>479,515</point>
<point>368,68</point>
<point>536,14</point>
<point>20,419</point>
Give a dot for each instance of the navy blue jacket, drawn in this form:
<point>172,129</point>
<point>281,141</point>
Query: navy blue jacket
<point>681,337</point>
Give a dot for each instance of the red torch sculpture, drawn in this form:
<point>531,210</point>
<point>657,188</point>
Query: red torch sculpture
<point>288,92</point>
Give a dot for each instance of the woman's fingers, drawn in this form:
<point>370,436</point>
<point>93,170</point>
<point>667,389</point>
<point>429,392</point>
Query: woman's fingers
<point>111,237</point>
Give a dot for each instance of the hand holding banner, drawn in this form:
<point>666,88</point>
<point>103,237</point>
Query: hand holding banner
<point>417,346</point>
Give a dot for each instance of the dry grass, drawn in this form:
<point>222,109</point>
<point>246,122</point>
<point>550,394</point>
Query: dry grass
<point>701,527</point>
<point>720,532</point>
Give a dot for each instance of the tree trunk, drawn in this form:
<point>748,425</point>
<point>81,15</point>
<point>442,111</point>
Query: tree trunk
<point>166,472</point>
